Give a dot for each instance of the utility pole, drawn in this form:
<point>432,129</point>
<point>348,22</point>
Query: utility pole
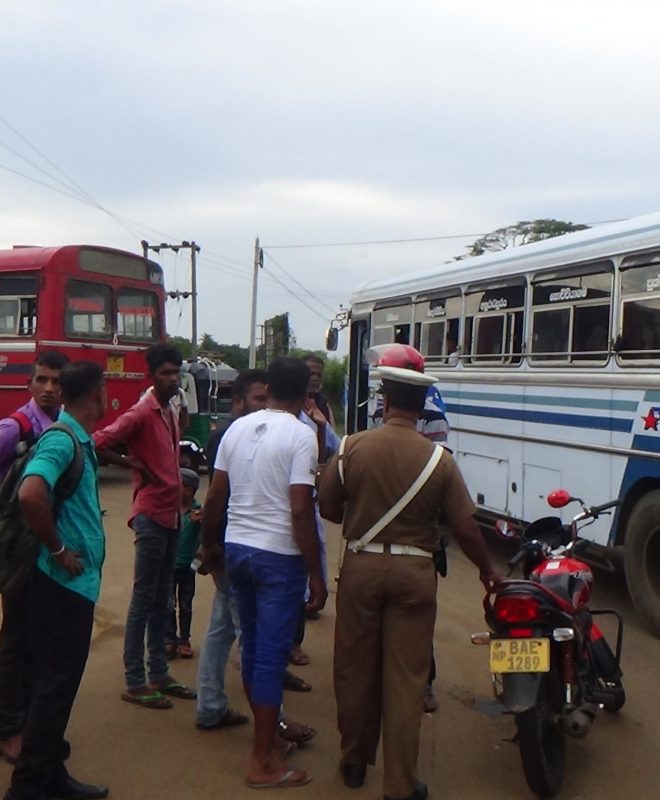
<point>258,262</point>
<point>194,249</point>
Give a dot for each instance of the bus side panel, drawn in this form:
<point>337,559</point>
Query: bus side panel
<point>513,471</point>
<point>488,462</point>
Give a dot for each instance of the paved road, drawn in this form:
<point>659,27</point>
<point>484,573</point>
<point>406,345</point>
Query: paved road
<point>159,755</point>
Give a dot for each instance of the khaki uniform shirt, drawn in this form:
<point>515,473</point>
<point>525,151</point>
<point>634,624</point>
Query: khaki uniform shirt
<point>379,467</point>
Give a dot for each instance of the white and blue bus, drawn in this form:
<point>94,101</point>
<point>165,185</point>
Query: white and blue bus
<point>548,359</point>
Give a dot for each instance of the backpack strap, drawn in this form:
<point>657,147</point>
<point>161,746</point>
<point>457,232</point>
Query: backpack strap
<point>25,427</point>
<point>68,481</point>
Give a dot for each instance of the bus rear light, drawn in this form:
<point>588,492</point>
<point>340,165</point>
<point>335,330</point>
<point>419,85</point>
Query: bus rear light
<point>516,608</point>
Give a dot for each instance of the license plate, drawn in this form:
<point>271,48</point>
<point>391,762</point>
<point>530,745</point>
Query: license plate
<point>519,655</point>
<point>115,364</point>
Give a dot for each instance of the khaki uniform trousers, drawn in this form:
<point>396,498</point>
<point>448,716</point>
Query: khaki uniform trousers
<point>383,637</point>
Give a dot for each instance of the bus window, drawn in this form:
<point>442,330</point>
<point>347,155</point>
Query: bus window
<point>489,336</point>
<point>18,305</point>
<point>432,338</point>
<point>10,313</point>
<point>121,265</point>
<point>591,332</point>
<point>494,323</point>
<point>439,317</point>
<point>550,334</point>
<point>640,313</point>
<point>571,317</point>
<point>402,334</point>
<point>137,315</point>
<point>391,324</point>
<point>88,310</point>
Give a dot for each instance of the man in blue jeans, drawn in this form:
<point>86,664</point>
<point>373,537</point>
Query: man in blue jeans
<point>150,430</point>
<point>269,458</point>
<point>213,711</point>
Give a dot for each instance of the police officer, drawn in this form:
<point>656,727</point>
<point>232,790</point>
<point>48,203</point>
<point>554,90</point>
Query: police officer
<point>386,598</point>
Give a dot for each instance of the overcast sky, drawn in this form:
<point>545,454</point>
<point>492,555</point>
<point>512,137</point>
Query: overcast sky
<point>304,122</point>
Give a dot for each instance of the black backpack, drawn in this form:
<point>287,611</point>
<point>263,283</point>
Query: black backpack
<point>19,547</point>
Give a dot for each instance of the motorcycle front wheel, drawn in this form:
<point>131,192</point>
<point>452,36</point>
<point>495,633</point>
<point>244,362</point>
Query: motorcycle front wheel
<point>542,744</point>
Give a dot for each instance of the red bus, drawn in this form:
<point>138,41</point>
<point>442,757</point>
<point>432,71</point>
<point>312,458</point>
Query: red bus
<point>88,302</point>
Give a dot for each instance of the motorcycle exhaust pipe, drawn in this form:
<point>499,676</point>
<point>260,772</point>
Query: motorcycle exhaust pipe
<point>578,722</point>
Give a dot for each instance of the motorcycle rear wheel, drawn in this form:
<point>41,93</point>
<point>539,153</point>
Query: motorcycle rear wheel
<point>615,696</point>
<point>542,745</point>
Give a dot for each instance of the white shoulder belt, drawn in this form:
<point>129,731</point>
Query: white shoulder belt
<point>359,544</point>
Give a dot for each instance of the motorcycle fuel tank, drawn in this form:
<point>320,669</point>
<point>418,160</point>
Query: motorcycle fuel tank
<point>567,577</point>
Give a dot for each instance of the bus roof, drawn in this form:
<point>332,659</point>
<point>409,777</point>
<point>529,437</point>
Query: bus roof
<point>28,257</point>
<point>639,233</point>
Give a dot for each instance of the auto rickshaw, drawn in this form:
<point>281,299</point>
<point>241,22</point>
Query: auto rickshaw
<point>207,385</point>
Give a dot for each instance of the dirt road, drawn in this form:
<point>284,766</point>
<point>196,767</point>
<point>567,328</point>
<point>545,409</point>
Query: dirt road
<point>159,755</point>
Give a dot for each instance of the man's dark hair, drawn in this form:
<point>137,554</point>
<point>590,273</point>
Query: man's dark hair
<point>243,382</point>
<point>288,378</point>
<point>160,354</point>
<point>78,379</point>
<point>313,357</point>
<point>51,359</point>
<point>404,396</point>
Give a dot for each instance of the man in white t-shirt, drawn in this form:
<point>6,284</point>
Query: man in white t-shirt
<point>269,458</point>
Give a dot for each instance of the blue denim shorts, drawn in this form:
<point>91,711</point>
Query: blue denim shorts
<point>269,588</point>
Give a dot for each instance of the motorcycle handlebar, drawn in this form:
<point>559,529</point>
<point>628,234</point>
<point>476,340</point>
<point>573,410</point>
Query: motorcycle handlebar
<point>596,510</point>
<point>517,557</point>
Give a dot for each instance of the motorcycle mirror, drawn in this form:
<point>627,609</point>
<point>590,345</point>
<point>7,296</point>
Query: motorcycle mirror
<point>504,530</point>
<point>559,498</point>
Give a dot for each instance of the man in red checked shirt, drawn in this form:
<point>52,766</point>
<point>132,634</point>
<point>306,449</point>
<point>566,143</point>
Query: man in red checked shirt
<point>150,431</point>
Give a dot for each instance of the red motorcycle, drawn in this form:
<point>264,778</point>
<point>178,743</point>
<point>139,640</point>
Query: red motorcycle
<point>551,666</point>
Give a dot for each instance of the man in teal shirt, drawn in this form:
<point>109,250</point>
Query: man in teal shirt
<point>63,589</point>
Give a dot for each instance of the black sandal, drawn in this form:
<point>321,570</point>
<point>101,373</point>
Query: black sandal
<point>295,684</point>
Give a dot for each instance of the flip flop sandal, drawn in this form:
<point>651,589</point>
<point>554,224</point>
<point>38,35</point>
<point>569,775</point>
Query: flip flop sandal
<point>175,689</point>
<point>151,700</point>
<point>288,779</point>
<point>299,659</point>
<point>185,651</point>
<point>295,684</point>
<point>229,719</point>
<point>286,731</point>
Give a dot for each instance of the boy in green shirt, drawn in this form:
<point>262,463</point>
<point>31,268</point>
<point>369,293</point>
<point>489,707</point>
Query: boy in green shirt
<point>183,584</point>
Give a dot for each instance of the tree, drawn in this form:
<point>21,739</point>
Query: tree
<point>334,378</point>
<point>524,232</point>
<point>232,354</point>
<point>184,345</point>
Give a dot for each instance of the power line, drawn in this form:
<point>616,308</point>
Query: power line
<point>376,241</point>
<point>406,241</point>
<point>304,288</point>
<point>293,294</point>
<point>33,147</point>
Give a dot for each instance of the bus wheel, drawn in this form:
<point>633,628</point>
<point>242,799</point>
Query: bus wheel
<point>642,559</point>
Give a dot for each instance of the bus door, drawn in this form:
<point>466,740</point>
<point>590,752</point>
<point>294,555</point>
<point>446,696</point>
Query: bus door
<point>358,377</point>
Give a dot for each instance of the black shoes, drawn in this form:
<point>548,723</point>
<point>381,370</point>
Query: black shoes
<point>71,789</point>
<point>353,774</point>
<point>421,793</point>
